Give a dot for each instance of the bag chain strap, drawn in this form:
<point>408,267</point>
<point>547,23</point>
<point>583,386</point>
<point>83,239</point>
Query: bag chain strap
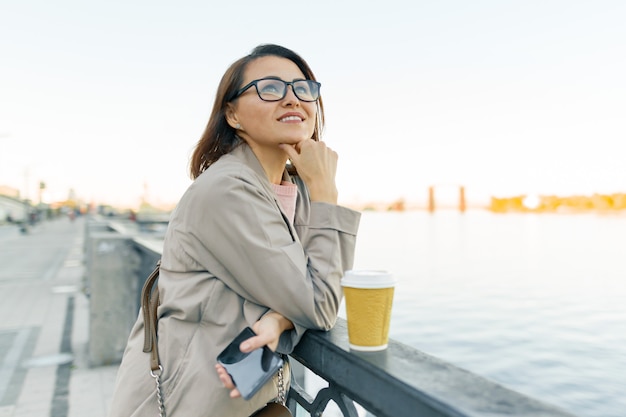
<point>157,378</point>
<point>281,386</point>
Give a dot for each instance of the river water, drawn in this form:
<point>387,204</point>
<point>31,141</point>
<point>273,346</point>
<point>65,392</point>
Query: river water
<point>536,302</point>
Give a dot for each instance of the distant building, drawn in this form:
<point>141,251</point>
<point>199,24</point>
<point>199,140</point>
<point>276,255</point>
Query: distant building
<point>12,210</point>
<point>9,191</point>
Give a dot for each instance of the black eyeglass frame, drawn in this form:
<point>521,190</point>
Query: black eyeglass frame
<point>287,84</point>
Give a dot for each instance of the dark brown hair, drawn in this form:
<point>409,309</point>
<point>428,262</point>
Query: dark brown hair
<point>219,138</point>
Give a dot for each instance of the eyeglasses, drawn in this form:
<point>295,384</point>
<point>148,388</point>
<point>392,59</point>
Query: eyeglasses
<point>274,89</point>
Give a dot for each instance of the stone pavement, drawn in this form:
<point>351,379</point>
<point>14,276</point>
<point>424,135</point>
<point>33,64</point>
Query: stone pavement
<point>44,325</point>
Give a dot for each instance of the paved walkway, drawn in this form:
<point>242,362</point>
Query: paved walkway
<point>44,326</point>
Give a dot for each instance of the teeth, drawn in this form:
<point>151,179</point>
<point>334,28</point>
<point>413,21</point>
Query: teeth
<point>290,118</point>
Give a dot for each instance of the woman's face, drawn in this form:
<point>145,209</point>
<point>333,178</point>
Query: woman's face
<point>269,123</point>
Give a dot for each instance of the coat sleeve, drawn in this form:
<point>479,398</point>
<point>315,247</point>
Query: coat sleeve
<point>239,234</point>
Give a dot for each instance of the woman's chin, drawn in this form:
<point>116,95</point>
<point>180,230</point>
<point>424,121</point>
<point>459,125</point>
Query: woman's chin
<point>292,140</point>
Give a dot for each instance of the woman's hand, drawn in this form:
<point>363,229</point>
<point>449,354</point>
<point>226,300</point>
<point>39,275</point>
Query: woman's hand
<point>317,166</point>
<point>268,330</point>
<point>227,381</point>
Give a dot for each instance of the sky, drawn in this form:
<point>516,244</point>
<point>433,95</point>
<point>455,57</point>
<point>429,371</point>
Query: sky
<point>503,97</point>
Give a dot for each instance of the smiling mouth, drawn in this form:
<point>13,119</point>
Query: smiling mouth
<point>290,119</point>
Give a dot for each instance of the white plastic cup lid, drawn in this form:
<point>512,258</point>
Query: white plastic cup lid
<point>368,279</point>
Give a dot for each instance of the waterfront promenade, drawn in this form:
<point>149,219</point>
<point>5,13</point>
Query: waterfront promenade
<point>44,325</point>
<point>44,340</point>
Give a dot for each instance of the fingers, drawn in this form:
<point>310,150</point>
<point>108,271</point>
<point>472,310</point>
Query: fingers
<point>293,150</point>
<point>308,150</point>
<point>317,166</point>
<point>268,330</point>
<point>253,343</point>
<point>227,381</point>
<point>290,150</point>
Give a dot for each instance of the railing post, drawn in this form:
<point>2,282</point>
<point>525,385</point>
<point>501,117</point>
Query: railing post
<point>431,199</point>
<point>462,205</point>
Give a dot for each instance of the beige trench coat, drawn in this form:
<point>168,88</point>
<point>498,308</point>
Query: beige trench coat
<point>230,254</point>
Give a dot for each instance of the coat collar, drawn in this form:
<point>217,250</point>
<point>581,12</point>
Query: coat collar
<point>244,153</point>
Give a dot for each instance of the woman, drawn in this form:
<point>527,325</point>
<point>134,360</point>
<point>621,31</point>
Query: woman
<point>250,243</point>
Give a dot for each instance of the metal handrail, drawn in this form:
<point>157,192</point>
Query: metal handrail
<point>401,381</point>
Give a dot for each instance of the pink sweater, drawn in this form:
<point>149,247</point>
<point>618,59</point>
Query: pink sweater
<point>287,193</point>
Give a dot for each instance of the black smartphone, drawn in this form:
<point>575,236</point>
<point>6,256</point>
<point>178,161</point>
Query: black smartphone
<point>249,371</point>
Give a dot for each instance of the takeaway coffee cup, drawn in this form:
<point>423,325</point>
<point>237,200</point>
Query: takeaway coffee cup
<point>369,296</point>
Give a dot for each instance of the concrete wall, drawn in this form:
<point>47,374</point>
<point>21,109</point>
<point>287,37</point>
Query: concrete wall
<point>112,287</point>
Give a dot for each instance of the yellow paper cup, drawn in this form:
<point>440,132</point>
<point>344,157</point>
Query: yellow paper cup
<point>369,297</point>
